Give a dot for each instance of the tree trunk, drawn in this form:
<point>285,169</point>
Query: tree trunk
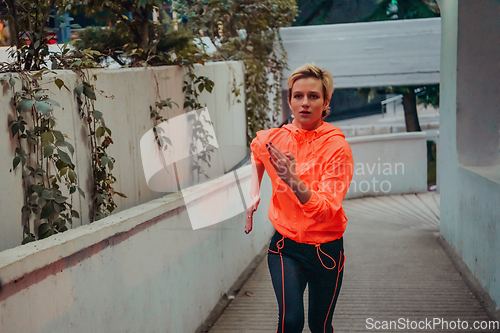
<point>410,107</point>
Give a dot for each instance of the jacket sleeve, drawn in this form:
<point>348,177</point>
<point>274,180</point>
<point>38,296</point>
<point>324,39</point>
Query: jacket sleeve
<point>256,147</point>
<point>334,182</point>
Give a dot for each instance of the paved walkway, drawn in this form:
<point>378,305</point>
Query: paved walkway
<point>395,268</point>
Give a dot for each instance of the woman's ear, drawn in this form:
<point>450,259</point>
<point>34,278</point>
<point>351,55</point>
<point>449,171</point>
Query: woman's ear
<point>326,103</point>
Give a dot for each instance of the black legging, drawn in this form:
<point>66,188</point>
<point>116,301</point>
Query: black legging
<point>293,266</point>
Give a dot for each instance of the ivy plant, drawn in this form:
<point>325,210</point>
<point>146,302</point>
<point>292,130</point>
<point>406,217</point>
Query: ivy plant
<point>248,31</point>
<point>45,155</point>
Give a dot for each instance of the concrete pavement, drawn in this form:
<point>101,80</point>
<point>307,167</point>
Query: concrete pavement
<point>396,273</point>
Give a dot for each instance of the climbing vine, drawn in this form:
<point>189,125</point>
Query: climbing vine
<point>43,151</point>
<point>247,31</point>
<point>45,154</point>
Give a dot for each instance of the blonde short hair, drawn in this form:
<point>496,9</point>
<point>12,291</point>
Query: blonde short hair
<point>311,70</point>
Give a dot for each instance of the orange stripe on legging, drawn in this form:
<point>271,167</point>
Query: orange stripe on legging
<point>283,284</point>
<point>335,291</point>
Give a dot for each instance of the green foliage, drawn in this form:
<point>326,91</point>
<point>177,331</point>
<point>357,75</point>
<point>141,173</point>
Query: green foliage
<point>118,43</point>
<point>133,39</point>
<point>154,113</point>
<point>45,155</point>
<point>48,172</point>
<point>193,87</point>
<point>49,176</point>
<point>200,146</point>
<point>100,139</point>
<point>404,9</point>
<point>248,31</point>
<point>129,17</point>
<point>429,95</point>
<point>29,22</point>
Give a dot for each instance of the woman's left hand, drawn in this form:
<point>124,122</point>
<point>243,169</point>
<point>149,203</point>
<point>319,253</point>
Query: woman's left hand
<point>284,164</point>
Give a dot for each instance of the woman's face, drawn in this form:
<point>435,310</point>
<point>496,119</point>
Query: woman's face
<point>308,103</point>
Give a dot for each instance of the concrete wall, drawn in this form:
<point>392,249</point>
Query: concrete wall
<point>388,164</point>
<point>141,270</point>
<point>372,54</point>
<point>125,97</point>
<point>470,217</point>
<point>376,129</point>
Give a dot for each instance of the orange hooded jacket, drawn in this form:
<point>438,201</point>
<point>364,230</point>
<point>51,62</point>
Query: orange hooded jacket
<point>324,163</point>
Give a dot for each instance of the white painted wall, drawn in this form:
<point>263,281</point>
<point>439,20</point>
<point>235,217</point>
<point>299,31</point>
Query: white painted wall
<point>124,101</point>
<point>145,270</point>
<point>141,270</point>
<point>470,217</point>
<point>388,164</point>
<point>372,54</point>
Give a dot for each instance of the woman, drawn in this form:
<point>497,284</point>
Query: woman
<point>310,166</point>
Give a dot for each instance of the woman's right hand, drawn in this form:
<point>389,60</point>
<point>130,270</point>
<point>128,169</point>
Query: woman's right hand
<point>249,216</point>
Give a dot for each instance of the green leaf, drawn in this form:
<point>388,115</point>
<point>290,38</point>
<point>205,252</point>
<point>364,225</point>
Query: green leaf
<point>209,85</point>
<point>63,229</point>
<point>88,91</point>
<point>108,131</point>
<point>104,160</point>
<point>47,194</point>
<point>60,164</point>
<point>97,114</point>
<point>47,210</point>
<point>26,211</point>
<point>37,188</point>
<point>72,190</point>
<point>51,101</point>
<point>25,104</point>
<point>79,89</point>
<point>12,82</point>
<point>75,214</point>
<point>16,161</point>
<point>47,138</point>
<point>72,175</point>
<point>64,156</point>
<point>60,143</point>
<point>14,129</point>
<point>48,150</point>
<point>44,230</point>
<point>100,132</point>
<point>64,171</point>
<point>42,107</point>
<point>28,239</point>
<point>70,148</point>
<point>59,83</point>
<point>81,192</point>
<point>58,135</point>
<point>57,207</point>
<point>77,63</point>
